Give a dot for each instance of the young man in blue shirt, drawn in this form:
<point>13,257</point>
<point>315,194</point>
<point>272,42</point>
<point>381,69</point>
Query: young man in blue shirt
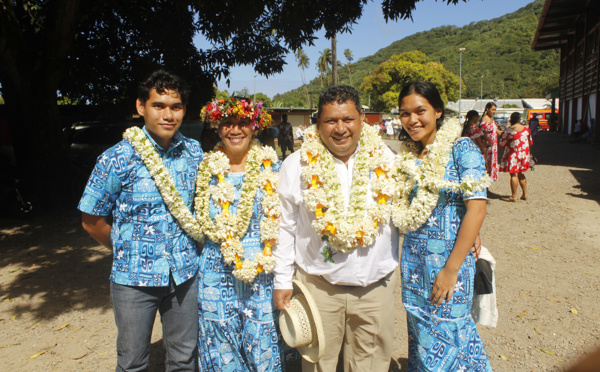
<point>154,259</point>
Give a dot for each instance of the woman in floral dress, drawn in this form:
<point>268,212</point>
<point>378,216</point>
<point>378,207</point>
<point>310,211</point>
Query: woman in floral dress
<point>490,129</point>
<point>472,130</point>
<point>440,204</point>
<point>515,160</point>
<point>238,207</point>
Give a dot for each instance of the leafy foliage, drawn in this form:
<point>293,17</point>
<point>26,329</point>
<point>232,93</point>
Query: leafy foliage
<point>498,49</point>
<point>385,84</point>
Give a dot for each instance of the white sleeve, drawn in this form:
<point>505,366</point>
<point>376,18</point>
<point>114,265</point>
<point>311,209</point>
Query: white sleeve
<point>285,252</point>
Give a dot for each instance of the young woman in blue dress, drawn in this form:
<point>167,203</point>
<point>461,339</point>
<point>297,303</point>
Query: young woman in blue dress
<point>440,205</point>
<point>238,208</point>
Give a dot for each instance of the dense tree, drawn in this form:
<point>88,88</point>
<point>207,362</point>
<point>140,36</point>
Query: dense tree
<point>96,51</point>
<point>498,49</point>
<point>385,84</point>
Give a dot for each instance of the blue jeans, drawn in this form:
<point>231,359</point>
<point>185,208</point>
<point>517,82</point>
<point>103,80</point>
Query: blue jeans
<point>135,310</point>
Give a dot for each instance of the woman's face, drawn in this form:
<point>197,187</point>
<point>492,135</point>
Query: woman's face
<point>491,111</point>
<point>474,120</point>
<point>418,118</point>
<point>236,135</point>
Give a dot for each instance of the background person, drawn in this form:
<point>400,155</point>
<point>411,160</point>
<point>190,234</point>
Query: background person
<point>472,130</point>
<point>515,159</point>
<point>490,128</point>
<point>237,207</point>
<point>285,137</point>
<point>441,226</point>
<point>330,244</point>
<point>154,260</point>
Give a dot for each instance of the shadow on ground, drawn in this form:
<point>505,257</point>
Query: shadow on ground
<point>65,267</point>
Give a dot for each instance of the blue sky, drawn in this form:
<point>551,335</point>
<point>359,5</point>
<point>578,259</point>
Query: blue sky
<point>368,36</point>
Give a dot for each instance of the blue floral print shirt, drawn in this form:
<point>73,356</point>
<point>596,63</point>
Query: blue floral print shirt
<point>148,243</point>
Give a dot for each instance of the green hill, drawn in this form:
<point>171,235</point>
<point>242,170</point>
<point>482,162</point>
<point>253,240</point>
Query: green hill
<point>498,49</point>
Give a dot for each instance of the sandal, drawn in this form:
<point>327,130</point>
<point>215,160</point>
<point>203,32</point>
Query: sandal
<point>524,197</point>
<point>512,200</point>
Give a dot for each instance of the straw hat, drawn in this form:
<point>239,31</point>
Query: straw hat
<point>301,325</point>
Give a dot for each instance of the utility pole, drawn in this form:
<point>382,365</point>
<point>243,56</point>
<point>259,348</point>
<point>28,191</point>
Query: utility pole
<point>481,91</point>
<point>334,69</point>
<point>460,82</point>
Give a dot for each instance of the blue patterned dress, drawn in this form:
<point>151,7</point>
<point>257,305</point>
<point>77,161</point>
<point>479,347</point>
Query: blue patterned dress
<point>238,330</point>
<point>443,338</point>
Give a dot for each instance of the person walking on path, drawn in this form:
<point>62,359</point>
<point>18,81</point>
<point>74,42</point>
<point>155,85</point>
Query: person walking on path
<point>152,234</point>
<point>286,136</point>
<point>490,128</point>
<point>238,208</point>
<point>440,204</point>
<point>515,159</point>
<point>336,236</point>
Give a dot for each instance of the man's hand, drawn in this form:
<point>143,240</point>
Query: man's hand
<point>282,298</point>
<point>476,248</point>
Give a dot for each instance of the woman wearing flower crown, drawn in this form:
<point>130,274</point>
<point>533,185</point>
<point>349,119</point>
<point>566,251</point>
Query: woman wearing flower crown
<point>238,209</point>
<point>440,204</point>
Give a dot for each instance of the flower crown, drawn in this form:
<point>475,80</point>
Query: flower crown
<point>221,109</point>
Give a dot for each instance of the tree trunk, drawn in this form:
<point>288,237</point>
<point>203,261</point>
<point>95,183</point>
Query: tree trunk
<point>40,150</point>
<point>334,68</point>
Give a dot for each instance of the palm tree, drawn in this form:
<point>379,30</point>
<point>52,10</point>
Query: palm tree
<point>323,64</point>
<point>303,62</point>
<point>349,58</point>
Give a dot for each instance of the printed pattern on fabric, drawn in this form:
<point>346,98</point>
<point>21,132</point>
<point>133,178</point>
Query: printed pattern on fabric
<point>148,243</point>
<point>491,154</point>
<point>475,132</point>
<point>443,338</point>
<point>515,158</point>
<point>237,320</point>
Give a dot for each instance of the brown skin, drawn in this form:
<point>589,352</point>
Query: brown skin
<point>418,118</point>
<point>163,115</point>
<point>236,135</point>
<point>339,127</point>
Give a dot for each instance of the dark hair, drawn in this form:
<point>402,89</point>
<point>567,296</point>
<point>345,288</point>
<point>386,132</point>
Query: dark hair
<point>162,81</point>
<point>284,117</point>
<point>428,91</point>
<point>339,94</point>
<point>487,107</point>
<point>470,115</point>
<point>515,117</point>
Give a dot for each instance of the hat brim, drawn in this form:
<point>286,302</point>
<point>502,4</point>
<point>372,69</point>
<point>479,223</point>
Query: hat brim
<point>313,351</point>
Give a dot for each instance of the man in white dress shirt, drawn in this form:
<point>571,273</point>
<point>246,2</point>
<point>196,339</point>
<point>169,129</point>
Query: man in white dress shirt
<point>354,291</point>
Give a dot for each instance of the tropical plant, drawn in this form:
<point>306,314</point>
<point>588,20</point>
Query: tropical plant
<point>385,83</point>
<point>303,63</point>
<point>349,58</point>
<point>323,64</point>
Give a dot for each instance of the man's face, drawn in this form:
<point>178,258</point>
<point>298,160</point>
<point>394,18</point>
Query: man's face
<point>163,114</point>
<point>339,127</point>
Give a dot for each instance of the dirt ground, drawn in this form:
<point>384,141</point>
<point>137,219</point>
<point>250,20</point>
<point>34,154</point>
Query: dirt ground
<point>54,294</point>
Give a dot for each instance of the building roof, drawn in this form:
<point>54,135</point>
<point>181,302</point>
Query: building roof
<point>558,19</point>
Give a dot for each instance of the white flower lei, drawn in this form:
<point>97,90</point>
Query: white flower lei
<point>429,177</point>
<point>163,180</point>
<point>345,230</point>
<point>227,228</point>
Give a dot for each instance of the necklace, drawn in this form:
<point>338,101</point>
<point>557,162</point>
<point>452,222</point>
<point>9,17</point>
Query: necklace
<point>228,228</point>
<point>345,229</point>
<point>428,177</point>
<point>163,180</point>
